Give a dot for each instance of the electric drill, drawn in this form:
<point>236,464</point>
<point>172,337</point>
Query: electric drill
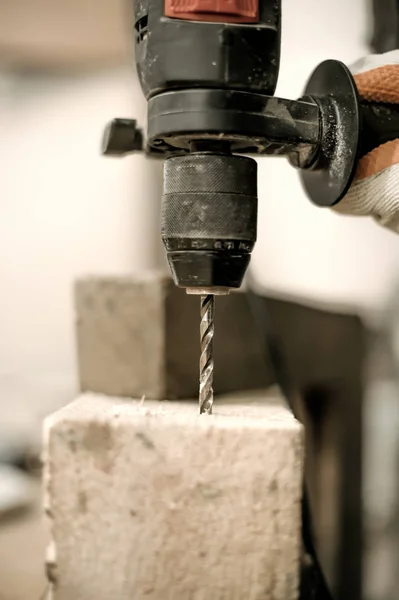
<point>209,69</point>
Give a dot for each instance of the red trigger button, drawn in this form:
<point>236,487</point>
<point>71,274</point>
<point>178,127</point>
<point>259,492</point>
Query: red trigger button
<point>226,11</point>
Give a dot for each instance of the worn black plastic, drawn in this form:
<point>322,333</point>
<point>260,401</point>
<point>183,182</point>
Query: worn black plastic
<point>177,54</point>
<point>332,86</point>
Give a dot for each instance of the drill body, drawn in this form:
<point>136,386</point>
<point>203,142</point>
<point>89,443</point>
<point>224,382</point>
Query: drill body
<point>195,59</point>
<point>209,69</point>
<point>190,44</point>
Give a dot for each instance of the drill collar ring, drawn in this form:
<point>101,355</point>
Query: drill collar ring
<point>250,123</point>
<point>319,133</point>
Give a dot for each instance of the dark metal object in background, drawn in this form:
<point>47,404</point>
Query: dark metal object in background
<point>206,358</point>
<point>386,26</point>
<point>313,585</point>
<point>318,360</point>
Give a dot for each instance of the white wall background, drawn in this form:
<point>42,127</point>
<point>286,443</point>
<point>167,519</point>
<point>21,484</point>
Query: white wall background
<point>66,211</point>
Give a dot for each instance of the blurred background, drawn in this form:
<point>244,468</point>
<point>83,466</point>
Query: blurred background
<point>66,68</point>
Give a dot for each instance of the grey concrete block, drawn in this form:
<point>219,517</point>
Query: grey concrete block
<point>150,500</point>
<point>140,336</point>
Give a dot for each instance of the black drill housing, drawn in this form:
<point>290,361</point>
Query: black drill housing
<point>209,86</point>
<point>209,204</point>
<point>180,54</point>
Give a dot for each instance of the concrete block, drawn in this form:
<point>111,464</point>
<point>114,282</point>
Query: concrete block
<point>149,500</point>
<point>140,336</point>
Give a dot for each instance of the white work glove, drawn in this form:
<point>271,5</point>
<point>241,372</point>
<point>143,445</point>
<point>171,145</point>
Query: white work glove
<point>375,189</point>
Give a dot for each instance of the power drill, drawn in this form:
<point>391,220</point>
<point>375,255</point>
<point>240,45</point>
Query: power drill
<point>209,69</point>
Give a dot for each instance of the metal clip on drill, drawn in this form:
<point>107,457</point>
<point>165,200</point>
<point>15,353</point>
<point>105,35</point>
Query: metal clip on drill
<point>209,69</point>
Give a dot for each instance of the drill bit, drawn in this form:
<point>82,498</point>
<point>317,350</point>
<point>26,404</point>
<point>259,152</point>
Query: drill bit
<point>206,359</point>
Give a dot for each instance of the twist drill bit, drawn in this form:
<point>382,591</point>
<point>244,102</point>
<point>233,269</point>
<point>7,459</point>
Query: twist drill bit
<point>206,359</point>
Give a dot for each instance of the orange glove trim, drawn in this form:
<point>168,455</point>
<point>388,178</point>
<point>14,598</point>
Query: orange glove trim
<point>379,85</point>
<point>378,160</point>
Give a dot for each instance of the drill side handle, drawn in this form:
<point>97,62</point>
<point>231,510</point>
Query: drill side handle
<point>320,133</point>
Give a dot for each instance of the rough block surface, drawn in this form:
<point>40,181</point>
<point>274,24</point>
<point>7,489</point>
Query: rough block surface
<point>149,500</point>
<point>140,336</point>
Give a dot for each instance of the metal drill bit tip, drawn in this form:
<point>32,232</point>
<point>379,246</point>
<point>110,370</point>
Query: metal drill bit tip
<point>206,359</point>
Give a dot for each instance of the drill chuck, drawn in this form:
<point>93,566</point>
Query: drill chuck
<point>209,218</point>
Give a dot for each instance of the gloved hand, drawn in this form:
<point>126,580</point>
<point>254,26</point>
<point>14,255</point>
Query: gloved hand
<point>375,189</point>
